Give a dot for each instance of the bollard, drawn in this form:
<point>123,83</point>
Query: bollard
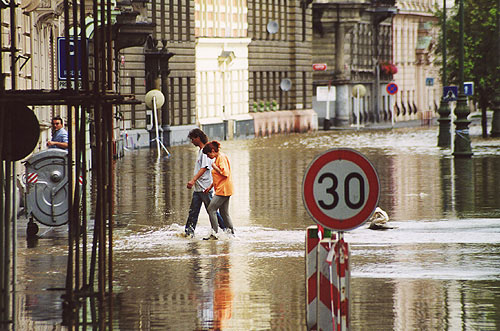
<point>325,311</point>
<point>327,281</point>
<point>312,241</point>
<point>341,283</point>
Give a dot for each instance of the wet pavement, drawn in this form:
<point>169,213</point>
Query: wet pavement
<point>437,270</point>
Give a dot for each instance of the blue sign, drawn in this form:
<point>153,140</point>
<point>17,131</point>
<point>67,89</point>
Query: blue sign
<point>450,93</point>
<point>429,81</point>
<point>67,57</point>
<point>469,88</point>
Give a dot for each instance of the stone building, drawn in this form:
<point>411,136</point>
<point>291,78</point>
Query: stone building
<point>354,40</point>
<point>36,31</point>
<point>374,43</point>
<point>223,66</point>
<point>415,33</point>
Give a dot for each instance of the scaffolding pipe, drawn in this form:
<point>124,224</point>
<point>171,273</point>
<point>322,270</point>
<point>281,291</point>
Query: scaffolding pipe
<point>88,278</point>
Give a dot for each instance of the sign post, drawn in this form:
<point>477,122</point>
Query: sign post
<point>392,88</point>
<point>340,191</point>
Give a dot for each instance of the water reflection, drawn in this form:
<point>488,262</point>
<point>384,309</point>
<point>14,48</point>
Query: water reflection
<point>437,270</point>
<point>41,270</point>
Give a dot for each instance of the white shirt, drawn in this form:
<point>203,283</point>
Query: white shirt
<point>203,161</point>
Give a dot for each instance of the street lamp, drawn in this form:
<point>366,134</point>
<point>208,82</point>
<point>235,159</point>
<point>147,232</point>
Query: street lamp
<point>444,137</point>
<point>462,146</point>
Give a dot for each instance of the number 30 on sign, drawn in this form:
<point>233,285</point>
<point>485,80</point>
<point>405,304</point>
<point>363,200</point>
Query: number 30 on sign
<point>340,189</point>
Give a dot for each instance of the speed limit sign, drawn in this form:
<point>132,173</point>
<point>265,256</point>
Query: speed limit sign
<point>340,189</point>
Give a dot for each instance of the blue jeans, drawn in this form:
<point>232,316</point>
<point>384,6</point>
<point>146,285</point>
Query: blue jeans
<point>194,211</point>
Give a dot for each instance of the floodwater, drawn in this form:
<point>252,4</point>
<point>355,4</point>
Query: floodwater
<point>438,269</point>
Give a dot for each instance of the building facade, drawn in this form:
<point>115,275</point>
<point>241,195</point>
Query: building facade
<point>353,41</point>
<point>36,30</point>
<point>415,34</point>
<point>234,68</point>
<point>375,43</point>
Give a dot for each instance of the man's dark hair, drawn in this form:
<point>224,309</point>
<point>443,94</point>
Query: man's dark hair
<point>198,133</point>
<point>58,118</point>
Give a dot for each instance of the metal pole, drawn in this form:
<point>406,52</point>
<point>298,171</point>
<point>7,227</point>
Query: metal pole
<point>358,111</point>
<point>392,109</point>
<point>495,122</point>
<point>462,145</point>
<point>342,285</point>
<point>7,242</point>
<point>156,128</point>
<point>4,272</point>
<point>14,243</point>
<point>444,137</point>
<point>326,124</point>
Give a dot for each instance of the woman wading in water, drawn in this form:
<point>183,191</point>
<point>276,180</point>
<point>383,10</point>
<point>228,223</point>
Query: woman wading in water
<point>223,185</point>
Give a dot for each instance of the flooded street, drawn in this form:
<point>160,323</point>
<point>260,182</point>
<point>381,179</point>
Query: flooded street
<point>438,269</point>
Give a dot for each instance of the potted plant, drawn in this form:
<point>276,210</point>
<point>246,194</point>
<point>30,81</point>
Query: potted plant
<point>274,105</point>
<point>268,106</point>
<point>261,105</point>
<point>388,68</point>
<point>255,107</point>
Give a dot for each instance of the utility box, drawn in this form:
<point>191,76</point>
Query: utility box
<point>47,186</point>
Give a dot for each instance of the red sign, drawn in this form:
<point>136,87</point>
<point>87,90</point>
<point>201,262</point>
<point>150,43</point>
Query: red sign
<point>340,189</point>
<point>392,88</point>
<point>319,66</point>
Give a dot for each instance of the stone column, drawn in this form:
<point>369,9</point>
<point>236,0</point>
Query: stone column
<point>342,105</point>
<point>339,50</point>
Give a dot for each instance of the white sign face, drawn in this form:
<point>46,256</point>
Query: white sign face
<point>341,189</point>
<point>323,95</point>
<point>64,85</point>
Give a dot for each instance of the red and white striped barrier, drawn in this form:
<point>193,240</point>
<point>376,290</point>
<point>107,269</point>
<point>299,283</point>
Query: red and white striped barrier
<point>312,241</point>
<point>325,308</point>
<point>341,281</point>
<point>327,281</point>
<point>313,237</point>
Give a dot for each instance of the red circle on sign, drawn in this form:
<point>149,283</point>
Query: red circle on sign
<point>392,88</point>
<point>311,203</point>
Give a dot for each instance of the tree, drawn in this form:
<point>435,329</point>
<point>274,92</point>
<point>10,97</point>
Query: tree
<point>480,42</point>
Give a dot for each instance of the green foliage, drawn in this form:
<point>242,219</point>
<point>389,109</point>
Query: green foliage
<point>481,63</point>
<point>255,107</point>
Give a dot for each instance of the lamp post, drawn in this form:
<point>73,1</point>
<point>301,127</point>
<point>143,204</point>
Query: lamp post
<point>444,137</point>
<point>495,121</point>
<point>462,146</point>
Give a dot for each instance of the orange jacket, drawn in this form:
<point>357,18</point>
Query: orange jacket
<point>223,182</point>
